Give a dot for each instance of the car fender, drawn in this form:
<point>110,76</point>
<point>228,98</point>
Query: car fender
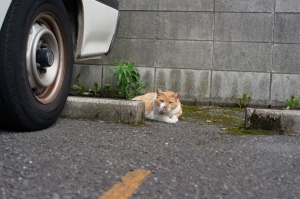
<point>99,26</point>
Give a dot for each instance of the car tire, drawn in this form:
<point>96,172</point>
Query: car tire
<point>36,63</point>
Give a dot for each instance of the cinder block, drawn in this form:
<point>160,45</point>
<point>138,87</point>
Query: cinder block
<point>147,76</point>
<point>185,25</point>
<point>140,51</point>
<point>244,5</point>
<point>240,56</point>
<point>192,84</point>
<point>89,74</point>
<point>283,87</point>
<point>128,111</point>
<point>228,86</point>
<point>287,6</point>
<point>184,54</point>
<point>250,27</point>
<point>286,58</point>
<point>138,25</point>
<point>138,5</point>
<point>109,78</point>
<point>186,5</point>
<point>287,28</point>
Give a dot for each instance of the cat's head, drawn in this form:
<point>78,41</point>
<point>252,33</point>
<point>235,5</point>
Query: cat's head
<point>167,101</point>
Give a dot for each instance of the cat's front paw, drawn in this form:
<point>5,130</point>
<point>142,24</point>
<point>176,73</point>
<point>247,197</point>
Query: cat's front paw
<point>175,118</point>
<point>165,119</point>
<point>171,121</point>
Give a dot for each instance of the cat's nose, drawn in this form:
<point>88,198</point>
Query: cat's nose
<point>165,107</point>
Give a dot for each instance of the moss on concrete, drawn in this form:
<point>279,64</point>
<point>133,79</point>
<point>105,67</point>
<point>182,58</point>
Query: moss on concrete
<point>231,120</point>
<point>240,131</point>
<point>267,123</point>
<point>222,117</point>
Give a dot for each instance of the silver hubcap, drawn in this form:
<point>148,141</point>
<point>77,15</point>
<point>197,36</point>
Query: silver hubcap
<point>44,58</point>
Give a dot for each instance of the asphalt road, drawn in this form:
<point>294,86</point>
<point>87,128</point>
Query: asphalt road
<point>84,159</point>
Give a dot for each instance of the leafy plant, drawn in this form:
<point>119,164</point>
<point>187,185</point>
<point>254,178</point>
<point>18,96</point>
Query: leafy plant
<point>77,88</point>
<point>82,89</point>
<point>139,87</point>
<point>106,86</point>
<point>244,101</point>
<point>128,80</point>
<point>96,88</point>
<point>293,103</point>
<point>105,91</point>
<point>78,79</point>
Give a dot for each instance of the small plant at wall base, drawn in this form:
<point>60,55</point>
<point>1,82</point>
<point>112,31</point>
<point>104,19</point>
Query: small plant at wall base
<point>96,89</point>
<point>128,80</point>
<point>244,101</point>
<point>77,88</point>
<point>293,103</point>
<point>105,91</point>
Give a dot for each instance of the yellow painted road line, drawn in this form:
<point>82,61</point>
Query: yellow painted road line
<point>130,182</point>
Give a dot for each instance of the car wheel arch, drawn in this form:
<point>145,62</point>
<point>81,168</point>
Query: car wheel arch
<point>76,15</point>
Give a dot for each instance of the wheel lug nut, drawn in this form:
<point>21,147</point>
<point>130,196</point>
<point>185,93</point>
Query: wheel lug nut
<point>43,45</point>
<point>43,71</point>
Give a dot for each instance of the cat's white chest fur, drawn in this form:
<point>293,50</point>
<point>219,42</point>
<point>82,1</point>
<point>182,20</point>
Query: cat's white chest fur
<point>160,114</point>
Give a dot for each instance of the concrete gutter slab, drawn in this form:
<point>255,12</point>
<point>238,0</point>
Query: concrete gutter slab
<point>277,121</point>
<point>128,111</point>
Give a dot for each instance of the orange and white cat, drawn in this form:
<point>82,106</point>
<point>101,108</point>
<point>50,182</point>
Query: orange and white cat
<point>162,106</point>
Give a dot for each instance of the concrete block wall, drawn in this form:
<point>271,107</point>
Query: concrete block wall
<point>212,51</point>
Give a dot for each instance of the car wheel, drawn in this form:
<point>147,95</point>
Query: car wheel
<point>36,62</point>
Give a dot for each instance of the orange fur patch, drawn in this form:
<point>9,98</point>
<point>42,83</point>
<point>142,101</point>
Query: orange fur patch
<point>148,99</point>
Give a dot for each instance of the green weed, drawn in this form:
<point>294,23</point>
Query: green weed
<point>244,101</point>
<point>96,89</point>
<point>293,103</point>
<point>128,80</point>
<point>77,88</point>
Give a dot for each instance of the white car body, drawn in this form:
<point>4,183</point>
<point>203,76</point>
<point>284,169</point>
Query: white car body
<point>97,23</point>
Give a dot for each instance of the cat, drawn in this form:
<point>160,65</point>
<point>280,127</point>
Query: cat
<point>162,106</point>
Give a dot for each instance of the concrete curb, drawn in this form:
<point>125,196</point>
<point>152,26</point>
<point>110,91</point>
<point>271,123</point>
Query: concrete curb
<point>128,111</point>
<point>277,121</point>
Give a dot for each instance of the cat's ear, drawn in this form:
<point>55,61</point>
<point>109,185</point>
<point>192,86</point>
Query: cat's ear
<point>176,96</point>
<point>159,92</point>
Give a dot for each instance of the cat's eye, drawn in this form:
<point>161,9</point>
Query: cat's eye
<point>170,102</point>
<point>162,100</point>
